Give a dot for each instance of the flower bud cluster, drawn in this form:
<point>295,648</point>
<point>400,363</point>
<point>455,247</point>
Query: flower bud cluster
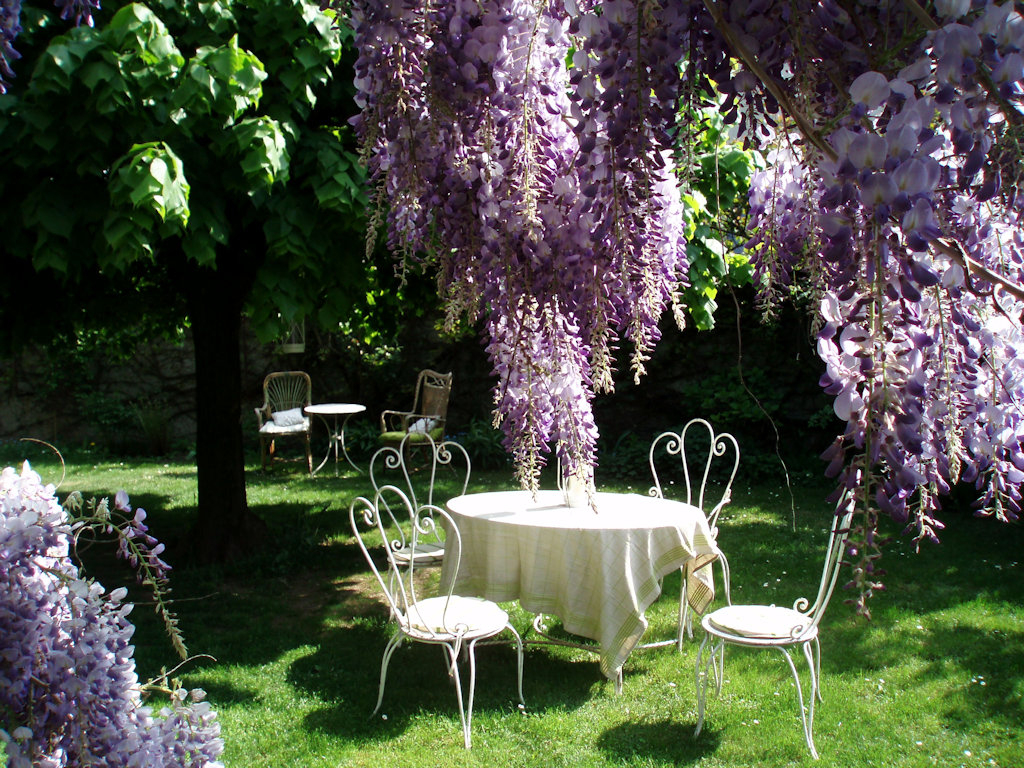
<point>69,692</point>
<point>553,220</point>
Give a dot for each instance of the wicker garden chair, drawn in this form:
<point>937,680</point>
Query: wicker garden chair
<point>428,414</point>
<point>285,394</point>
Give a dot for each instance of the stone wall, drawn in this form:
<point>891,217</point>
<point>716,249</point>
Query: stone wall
<point>146,405</point>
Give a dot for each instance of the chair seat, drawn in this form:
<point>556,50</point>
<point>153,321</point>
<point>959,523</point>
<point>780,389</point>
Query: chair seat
<point>425,552</point>
<point>414,438</point>
<point>761,622</point>
<point>270,428</point>
<point>447,615</point>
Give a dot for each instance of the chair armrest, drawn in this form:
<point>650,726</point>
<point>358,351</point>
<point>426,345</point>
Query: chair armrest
<point>395,421</point>
<point>262,415</point>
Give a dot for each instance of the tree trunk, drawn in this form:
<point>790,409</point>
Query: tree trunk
<point>225,528</point>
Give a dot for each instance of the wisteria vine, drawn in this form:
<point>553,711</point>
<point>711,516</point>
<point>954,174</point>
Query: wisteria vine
<point>900,201</point>
<point>545,211</point>
<point>546,195</point>
<point>69,692</point>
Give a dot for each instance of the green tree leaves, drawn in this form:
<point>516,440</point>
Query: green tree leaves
<point>223,81</point>
<point>264,152</point>
<point>715,207</point>
<point>148,195</point>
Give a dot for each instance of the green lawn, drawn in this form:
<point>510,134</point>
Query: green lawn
<point>936,678</point>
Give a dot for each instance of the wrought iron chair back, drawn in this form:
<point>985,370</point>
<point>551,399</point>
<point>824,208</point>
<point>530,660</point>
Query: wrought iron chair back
<point>390,521</point>
<point>390,466</point>
<point>838,535</point>
<point>697,446</point>
<point>401,526</point>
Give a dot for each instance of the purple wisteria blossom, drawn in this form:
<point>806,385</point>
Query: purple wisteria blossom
<point>492,173</point>
<point>69,692</point>
<point>545,192</point>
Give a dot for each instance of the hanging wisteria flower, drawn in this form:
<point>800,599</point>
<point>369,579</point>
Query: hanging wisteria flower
<point>69,693</point>
<point>552,219</point>
<point>542,193</point>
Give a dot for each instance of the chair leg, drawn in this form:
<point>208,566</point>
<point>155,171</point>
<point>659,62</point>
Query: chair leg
<point>393,643</point>
<point>806,719</point>
<point>702,680</point>
<point>685,620</point>
<point>519,653</point>
<point>453,669</point>
<point>263,454</point>
<point>472,689</point>
<point>816,670</point>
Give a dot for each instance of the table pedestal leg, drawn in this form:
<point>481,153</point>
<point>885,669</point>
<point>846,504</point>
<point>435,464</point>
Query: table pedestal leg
<point>330,442</point>
<point>341,439</point>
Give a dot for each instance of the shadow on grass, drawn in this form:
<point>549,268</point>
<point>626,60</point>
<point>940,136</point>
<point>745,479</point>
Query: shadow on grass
<point>995,662</point>
<point>665,741</point>
<point>989,661</point>
<point>345,670</point>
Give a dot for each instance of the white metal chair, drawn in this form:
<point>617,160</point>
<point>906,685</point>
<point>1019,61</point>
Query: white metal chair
<point>710,494</point>
<point>771,626</point>
<point>390,466</point>
<point>454,621</point>
<point>285,394</point>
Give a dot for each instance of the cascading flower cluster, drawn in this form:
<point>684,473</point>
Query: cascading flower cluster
<point>69,693</point>
<point>912,203</point>
<point>549,218</point>
<point>896,131</point>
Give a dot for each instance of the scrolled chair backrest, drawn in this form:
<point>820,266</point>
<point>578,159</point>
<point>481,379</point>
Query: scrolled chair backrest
<point>399,525</point>
<point>696,474</point>
<point>839,533</point>
<point>392,462</point>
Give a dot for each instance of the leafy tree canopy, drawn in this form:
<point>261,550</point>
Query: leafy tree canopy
<point>181,161</point>
<point>191,123</point>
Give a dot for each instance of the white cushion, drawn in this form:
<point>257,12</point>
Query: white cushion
<point>426,552</point>
<point>764,621</point>
<point>423,425</point>
<point>270,428</point>
<point>447,615</point>
<point>289,418</point>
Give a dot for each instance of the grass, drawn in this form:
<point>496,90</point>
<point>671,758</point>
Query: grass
<point>936,678</point>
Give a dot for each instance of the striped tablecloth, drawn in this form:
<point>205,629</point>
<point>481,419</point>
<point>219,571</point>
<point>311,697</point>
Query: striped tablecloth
<point>598,571</point>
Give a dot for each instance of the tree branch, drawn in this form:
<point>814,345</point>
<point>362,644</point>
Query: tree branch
<point>955,252</point>
<point>785,103</point>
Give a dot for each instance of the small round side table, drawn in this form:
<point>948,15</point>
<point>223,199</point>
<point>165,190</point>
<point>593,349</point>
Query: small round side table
<point>339,413</point>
